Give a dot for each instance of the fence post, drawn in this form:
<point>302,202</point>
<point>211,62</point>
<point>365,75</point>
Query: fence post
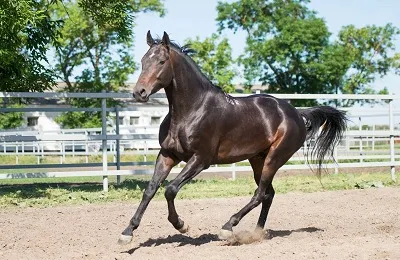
<point>86,147</point>
<point>145,145</point>
<point>118,151</point>
<point>145,151</point>
<point>361,144</point>
<point>16,153</point>
<point>73,148</point>
<point>42,155</point>
<point>233,171</point>
<point>62,159</point>
<point>391,128</point>
<point>104,141</point>
<point>335,155</point>
<point>373,137</point>
<point>37,151</point>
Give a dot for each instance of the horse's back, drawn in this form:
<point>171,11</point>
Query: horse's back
<point>253,123</point>
<point>280,111</point>
<point>273,108</point>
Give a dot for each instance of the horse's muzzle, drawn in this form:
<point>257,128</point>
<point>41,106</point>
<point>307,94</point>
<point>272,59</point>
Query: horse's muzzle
<point>141,95</point>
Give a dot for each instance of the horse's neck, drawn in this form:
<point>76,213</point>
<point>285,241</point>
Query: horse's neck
<point>187,89</point>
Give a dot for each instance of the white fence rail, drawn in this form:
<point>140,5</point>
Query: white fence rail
<point>358,145</point>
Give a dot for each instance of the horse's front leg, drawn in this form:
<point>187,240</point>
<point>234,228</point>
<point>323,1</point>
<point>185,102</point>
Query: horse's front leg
<point>194,166</point>
<point>164,164</point>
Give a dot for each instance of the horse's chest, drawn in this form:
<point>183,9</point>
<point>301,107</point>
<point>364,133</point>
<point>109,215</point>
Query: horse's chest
<point>176,143</point>
<point>181,139</point>
<point>172,143</point>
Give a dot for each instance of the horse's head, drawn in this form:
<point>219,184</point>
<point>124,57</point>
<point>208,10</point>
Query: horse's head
<point>157,70</point>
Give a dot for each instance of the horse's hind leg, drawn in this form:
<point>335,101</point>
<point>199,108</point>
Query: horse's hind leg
<point>279,153</point>
<point>265,206</point>
<point>257,163</point>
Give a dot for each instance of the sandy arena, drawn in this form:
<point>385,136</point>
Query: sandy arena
<point>356,224</point>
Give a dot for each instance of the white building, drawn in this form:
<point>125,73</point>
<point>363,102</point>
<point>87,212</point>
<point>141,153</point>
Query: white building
<point>149,114</point>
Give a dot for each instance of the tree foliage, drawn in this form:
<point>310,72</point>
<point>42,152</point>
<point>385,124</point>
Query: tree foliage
<point>288,49</point>
<point>10,120</point>
<point>94,36</point>
<point>26,30</point>
<point>369,50</point>
<point>214,57</point>
<point>119,16</point>
<point>95,56</point>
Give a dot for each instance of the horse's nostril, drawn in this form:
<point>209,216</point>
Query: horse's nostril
<point>142,92</point>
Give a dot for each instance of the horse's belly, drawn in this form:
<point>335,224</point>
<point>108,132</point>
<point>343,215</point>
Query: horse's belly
<point>240,151</point>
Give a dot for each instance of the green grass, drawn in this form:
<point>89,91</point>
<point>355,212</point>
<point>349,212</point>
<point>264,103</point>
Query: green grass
<point>378,146</point>
<point>10,160</point>
<point>30,159</point>
<point>48,192</point>
<point>27,160</point>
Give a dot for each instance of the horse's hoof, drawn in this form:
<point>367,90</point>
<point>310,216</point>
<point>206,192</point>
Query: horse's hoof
<point>225,234</point>
<point>124,240</point>
<point>184,229</point>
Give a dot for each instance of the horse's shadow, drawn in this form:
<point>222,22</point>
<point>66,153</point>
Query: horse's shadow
<point>179,238</point>
<point>183,240</point>
<point>284,233</point>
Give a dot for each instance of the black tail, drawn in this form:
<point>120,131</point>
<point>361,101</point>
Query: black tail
<point>331,124</point>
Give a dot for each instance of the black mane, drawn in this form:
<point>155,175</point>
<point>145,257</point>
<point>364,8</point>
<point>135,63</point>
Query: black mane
<point>185,49</point>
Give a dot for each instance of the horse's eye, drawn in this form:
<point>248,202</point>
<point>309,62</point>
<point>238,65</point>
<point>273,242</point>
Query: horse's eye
<point>162,62</point>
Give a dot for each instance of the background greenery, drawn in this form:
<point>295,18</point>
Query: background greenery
<point>288,47</point>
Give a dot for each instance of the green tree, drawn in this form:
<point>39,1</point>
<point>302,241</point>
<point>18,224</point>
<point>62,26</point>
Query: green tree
<point>369,50</point>
<point>214,57</point>
<point>25,33</point>
<point>105,52</point>
<point>288,49</point>
<point>26,30</point>
<point>359,55</point>
<point>119,15</point>
<point>10,120</point>
<point>396,59</point>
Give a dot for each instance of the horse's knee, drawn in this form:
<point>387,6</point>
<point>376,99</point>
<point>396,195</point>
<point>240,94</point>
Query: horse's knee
<point>259,196</point>
<point>272,194</point>
<point>170,192</point>
<point>147,194</point>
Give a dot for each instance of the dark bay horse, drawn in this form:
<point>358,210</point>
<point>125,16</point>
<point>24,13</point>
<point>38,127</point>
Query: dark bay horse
<point>206,126</point>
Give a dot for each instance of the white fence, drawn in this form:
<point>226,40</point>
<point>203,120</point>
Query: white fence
<point>360,145</point>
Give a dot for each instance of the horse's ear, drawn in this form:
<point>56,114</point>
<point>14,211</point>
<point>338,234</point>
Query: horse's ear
<point>150,40</point>
<point>165,39</point>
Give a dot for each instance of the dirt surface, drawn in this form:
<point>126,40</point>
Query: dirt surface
<point>356,224</point>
